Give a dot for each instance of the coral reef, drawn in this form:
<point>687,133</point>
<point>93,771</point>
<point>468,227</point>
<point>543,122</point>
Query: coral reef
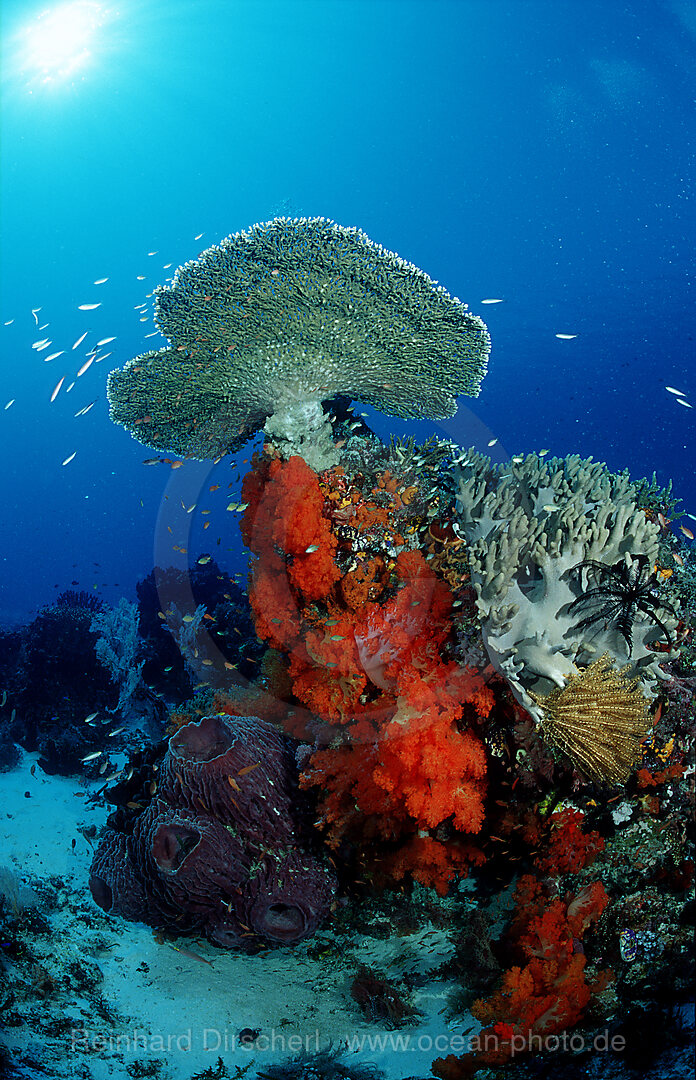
<point>459,647</point>
<point>541,536</point>
<point>277,319</point>
<point>222,848</point>
<point>397,754</point>
<point>78,657</point>
<point>10,646</point>
<point>59,680</point>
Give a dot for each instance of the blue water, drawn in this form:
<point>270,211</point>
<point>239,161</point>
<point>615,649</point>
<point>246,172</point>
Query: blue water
<point>536,151</point>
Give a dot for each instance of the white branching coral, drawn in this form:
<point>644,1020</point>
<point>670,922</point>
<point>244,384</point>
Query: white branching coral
<point>539,534</point>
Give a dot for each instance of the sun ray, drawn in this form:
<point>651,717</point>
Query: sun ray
<point>60,41</point>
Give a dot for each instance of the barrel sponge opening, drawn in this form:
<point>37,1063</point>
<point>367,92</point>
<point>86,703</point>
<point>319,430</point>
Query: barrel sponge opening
<point>294,311</point>
<point>204,741</point>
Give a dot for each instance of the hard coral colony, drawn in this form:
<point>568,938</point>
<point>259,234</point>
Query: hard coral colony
<point>427,617</point>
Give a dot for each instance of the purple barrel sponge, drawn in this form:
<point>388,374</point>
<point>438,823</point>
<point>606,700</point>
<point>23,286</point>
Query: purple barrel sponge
<point>223,847</point>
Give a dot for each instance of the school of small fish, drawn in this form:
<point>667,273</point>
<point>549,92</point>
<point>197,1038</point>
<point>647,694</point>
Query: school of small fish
<point>143,312</point>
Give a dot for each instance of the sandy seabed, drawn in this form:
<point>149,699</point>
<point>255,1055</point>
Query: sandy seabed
<point>99,997</point>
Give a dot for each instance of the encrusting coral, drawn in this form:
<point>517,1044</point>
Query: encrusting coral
<point>272,321</point>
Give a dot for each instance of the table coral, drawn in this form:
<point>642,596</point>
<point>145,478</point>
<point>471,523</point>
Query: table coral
<point>274,320</point>
<point>222,849</point>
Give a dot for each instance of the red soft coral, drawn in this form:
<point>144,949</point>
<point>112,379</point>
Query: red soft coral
<point>568,848</point>
<point>397,753</point>
<point>285,514</point>
<point>586,907</point>
<point>422,742</point>
<point>351,802</point>
<point>429,768</point>
<point>431,862</point>
<point>547,992</point>
<point>273,604</point>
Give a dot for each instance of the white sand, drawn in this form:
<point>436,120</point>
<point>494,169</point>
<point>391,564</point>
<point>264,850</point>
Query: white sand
<point>171,1007</point>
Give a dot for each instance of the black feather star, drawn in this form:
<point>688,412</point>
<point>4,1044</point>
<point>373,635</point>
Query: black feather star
<point>624,591</point>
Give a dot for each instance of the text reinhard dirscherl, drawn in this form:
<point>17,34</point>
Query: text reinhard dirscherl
<point>217,1040</point>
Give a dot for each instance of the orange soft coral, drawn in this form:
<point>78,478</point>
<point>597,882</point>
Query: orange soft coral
<point>431,862</point>
<point>363,584</point>
<point>547,991</point>
<point>408,630</point>
<point>396,754</point>
<point>273,604</point>
<point>421,741</point>
<point>568,848</point>
<point>351,803</point>
<point>408,774</point>
<point>405,761</point>
<point>285,515</point>
<point>647,779</point>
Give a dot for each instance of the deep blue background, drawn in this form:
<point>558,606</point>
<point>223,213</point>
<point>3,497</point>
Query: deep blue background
<point>540,151</point>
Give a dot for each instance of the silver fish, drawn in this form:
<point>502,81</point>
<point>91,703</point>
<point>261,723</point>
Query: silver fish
<point>56,391</point>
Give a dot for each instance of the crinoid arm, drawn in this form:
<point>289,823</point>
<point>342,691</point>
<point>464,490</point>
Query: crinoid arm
<point>624,591</point>
<point>599,720</point>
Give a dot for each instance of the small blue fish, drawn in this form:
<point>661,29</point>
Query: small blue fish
<point>628,945</point>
